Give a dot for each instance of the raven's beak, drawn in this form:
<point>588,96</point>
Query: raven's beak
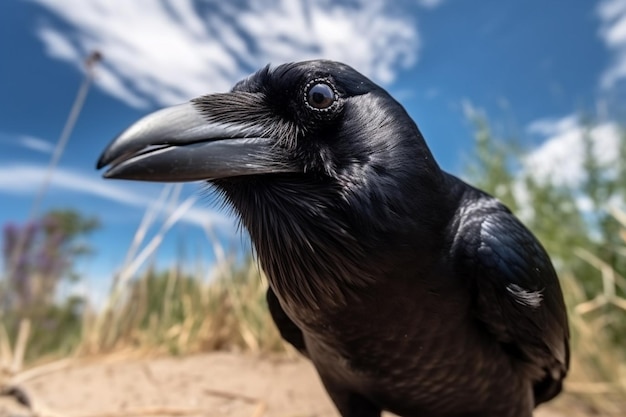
<point>180,143</point>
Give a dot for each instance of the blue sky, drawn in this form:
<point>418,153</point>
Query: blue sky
<point>531,65</point>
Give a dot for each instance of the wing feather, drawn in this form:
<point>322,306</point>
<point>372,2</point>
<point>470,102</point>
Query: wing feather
<point>517,292</point>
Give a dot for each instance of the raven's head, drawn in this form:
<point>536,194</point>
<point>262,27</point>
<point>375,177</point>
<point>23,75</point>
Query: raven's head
<point>322,166</point>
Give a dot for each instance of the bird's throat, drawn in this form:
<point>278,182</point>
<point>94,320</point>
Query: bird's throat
<point>309,247</point>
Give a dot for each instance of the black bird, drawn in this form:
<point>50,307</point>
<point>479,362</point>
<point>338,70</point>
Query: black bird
<point>408,289</point>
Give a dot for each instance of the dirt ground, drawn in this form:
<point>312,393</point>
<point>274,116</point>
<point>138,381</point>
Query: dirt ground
<point>209,385</point>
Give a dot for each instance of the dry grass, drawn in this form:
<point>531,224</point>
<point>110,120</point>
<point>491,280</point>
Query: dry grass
<point>176,314</point>
<point>598,369</point>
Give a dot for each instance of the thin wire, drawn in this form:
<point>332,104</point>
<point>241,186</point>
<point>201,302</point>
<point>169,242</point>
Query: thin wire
<point>61,143</point>
<point>79,101</point>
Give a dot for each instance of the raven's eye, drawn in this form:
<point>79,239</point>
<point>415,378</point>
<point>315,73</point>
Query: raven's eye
<point>320,95</point>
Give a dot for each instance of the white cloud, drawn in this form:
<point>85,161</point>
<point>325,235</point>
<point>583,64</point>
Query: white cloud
<point>168,52</point>
<point>35,144</point>
<point>560,159</point>
<point>612,15</point>
<point>554,126</point>
<point>31,177</point>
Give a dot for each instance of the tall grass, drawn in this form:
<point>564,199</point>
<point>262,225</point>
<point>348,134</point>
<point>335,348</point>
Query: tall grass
<point>175,313</point>
<point>598,369</point>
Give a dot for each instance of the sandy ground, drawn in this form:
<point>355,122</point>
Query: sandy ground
<point>209,385</point>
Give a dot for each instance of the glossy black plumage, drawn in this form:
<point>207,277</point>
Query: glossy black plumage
<point>408,289</point>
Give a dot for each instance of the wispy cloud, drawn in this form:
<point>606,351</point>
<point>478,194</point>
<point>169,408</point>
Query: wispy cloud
<point>167,52</point>
<point>471,111</point>
<point>31,176</point>
<point>612,15</point>
<point>35,144</point>
<point>430,4</point>
<point>561,157</point>
<point>26,141</point>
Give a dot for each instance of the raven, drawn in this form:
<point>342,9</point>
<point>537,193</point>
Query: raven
<point>409,290</point>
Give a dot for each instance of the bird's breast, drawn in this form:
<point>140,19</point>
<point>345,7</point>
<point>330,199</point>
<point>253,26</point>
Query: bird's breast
<point>407,344</point>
